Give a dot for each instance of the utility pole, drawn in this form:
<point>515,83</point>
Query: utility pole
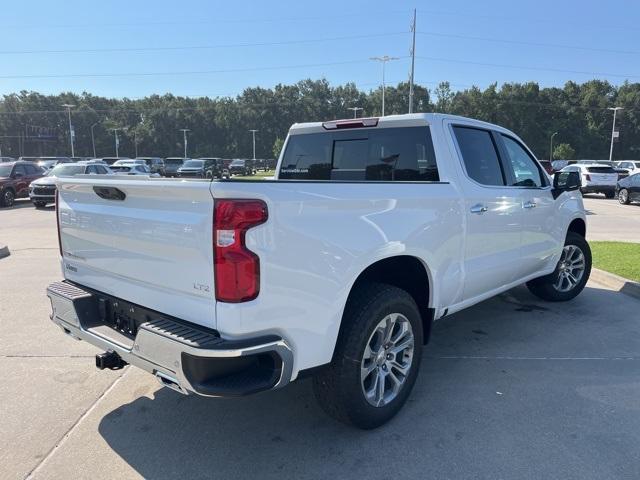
<point>93,140</point>
<point>413,61</point>
<point>383,60</point>
<point>72,134</point>
<point>253,133</point>
<point>135,142</point>
<point>355,111</point>
<point>551,147</point>
<point>115,133</point>
<point>184,136</point>
<point>613,129</point>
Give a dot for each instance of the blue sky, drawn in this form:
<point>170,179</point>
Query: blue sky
<point>233,45</point>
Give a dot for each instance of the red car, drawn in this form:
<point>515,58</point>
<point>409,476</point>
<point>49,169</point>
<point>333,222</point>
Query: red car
<point>546,164</point>
<point>15,178</point>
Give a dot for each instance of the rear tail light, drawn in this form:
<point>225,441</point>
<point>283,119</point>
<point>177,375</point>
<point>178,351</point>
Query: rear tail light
<point>58,221</point>
<point>236,268</point>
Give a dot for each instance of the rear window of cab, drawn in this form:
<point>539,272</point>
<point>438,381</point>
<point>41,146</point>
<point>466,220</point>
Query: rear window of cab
<point>386,154</point>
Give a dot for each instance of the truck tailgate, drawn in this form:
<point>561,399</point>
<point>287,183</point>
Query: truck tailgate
<point>153,247</point>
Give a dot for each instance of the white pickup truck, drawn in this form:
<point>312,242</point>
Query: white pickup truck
<point>371,230</point>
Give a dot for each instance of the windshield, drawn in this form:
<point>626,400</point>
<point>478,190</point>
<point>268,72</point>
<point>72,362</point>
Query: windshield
<point>173,161</point>
<point>237,163</point>
<point>193,164</point>
<point>5,170</point>
<point>66,170</point>
<point>121,168</point>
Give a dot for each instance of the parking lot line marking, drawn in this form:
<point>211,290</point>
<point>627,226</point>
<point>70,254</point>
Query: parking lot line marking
<point>68,433</point>
<point>480,357</point>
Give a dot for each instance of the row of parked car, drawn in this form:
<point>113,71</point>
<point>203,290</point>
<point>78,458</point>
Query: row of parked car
<point>35,177</point>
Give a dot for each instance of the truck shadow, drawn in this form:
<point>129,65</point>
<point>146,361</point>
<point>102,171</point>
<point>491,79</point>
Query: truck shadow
<point>464,396</point>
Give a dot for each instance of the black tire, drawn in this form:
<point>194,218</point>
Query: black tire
<point>544,287</point>
<point>623,196</point>
<point>339,387</point>
<point>7,198</point>
<point>609,195</point>
<point>40,204</point>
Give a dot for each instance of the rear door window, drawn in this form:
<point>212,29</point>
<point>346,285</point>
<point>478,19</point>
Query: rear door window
<point>479,155</point>
<point>386,154</point>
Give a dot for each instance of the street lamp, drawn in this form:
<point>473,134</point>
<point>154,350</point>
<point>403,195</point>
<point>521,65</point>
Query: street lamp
<point>184,136</point>
<point>613,129</point>
<point>355,111</point>
<point>551,147</point>
<point>72,134</point>
<point>93,140</point>
<point>384,61</point>
<point>115,133</point>
<point>253,133</point>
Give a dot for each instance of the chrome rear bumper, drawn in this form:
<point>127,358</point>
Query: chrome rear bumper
<point>183,356</point>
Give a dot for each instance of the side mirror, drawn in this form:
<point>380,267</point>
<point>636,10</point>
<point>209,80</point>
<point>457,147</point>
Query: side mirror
<point>565,182</point>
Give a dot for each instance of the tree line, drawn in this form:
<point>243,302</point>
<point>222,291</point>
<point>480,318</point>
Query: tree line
<point>34,124</point>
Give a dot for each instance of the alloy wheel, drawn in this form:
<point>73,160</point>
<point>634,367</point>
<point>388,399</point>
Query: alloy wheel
<point>570,268</point>
<point>8,198</point>
<point>622,196</point>
<point>387,359</point>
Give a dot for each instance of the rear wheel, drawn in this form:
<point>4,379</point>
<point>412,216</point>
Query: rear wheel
<point>376,360</point>
<point>571,274</point>
<point>609,194</point>
<point>7,198</point>
<point>623,196</point>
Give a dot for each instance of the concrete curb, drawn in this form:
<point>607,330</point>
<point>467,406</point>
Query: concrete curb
<point>623,285</point>
<point>4,251</point>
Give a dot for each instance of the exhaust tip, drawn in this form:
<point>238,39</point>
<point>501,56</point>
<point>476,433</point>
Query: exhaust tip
<point>110,360</point>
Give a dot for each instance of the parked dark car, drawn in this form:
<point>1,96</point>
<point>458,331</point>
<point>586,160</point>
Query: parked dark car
<point>628,189</point>
<point>172,164</point>
<point>43,190</point>
<point>194,168</point>
<point>15,178</point>
<point>242,167</point>
<point>155,164</point>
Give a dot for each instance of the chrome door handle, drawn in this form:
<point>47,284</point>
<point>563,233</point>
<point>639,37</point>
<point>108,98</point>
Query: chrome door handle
<point>529,205</point>
<point>479,208</point>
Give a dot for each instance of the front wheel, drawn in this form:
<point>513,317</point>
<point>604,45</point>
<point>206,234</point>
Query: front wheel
<point>571,273</point>
<point>623,196</point>
<point>40,204</point>
<point>376,360</point>
<point>7,198</point>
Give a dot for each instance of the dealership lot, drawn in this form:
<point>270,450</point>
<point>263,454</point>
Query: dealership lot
<point>511,388</point>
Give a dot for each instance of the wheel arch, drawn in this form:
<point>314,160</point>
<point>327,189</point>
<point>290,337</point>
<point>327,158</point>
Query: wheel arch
<point>579,226</point>
<point>406,272</point>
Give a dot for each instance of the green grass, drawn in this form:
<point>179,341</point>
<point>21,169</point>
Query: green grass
<point>258,176</point>
<point>620,258</point>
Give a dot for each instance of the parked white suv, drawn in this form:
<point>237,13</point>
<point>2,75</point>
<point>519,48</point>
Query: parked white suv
<point>595,178</point>
<point>371,230</point>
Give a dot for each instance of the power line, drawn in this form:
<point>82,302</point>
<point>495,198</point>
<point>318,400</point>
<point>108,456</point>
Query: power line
<point>535,44</point>
<point>199,47</point>
<point>180,73</point>
<point>523,67</point>
<point>209,21</point>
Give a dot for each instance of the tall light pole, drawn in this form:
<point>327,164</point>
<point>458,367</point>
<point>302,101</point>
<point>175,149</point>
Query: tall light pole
<point>253,133</point>
<point>115,133</point>
<point>355,111</point>
<point>93,140</point>
<point>413,61</point>
<point>72,134</point>
<point>551,147</point>
<point>184,137</point>
<point>613,129</point>
<point>384,61</point>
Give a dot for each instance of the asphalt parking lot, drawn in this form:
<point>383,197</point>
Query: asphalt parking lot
<point>511,388</point>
